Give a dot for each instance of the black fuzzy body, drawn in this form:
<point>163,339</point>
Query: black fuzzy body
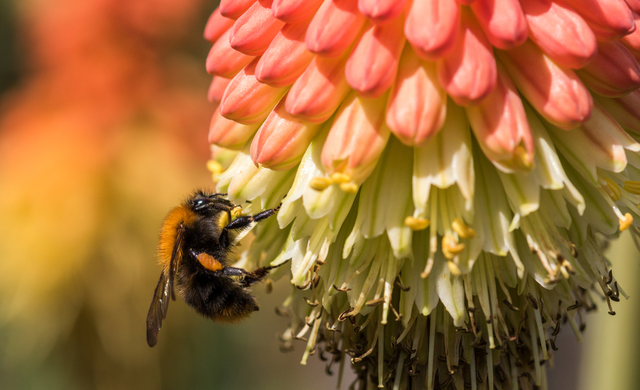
<point>211,293</point>
<point>195,242</point>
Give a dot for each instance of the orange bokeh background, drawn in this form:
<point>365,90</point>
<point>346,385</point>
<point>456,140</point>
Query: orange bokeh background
<point>103,128</point>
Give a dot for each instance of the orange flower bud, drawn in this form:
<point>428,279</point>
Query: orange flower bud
<point>334,27</point>
<point>417,104</point>
<point>468,73</point>
<point>503,22</point>
<point>371,67</point>
<point>560,32</point>
<point>432,27</point>
<point>248,101</point>
<point>254,30</point>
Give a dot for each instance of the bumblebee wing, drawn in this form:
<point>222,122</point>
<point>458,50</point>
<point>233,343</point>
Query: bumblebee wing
<point>158,309</point>
<point>176,255</point>
<point>164,292</point>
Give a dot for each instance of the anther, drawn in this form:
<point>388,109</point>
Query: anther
<point>632,187</point>
<point>462,229</point>
<point>214,167</point>
<point>349,187</point>
<point>532,300</point>
<point>339,178</point>
<point>450,248</point>
<point>625,222</point>
<point>612,189</point>
<point>320,183</point>
<point>416,223</point>
<point>453,268</point>
<point>574,306</point>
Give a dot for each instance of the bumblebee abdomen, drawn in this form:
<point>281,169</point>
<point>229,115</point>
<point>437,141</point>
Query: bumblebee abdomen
<point>218,297</point>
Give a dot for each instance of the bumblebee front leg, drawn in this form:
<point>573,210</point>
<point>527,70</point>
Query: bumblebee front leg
<point>243,222</point>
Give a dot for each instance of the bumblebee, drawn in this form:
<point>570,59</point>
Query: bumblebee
<point>195,242</point>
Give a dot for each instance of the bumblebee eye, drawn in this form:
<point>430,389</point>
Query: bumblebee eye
<point>200,204</point>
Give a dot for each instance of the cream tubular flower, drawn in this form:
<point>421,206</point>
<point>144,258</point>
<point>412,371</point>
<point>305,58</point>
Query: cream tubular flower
<point>451,171</point>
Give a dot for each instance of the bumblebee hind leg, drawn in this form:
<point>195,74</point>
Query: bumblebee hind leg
<point>249,278</point>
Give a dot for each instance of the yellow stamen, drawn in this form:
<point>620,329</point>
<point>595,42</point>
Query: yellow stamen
<point>612,189</point>
<point>453,268</point>
<point>320,183</point>
<point>236,212</point>
<point>632,187</point>
<point>523,159</point>
<point>450,248</point>
<point>214,167</point>
<point>626,222</point>
<point>462,229</point>
<point>340,178</point>
<point>417,223</point>
<point>349,187</point>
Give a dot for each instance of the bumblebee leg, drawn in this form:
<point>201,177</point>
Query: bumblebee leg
<point>244,221</point>
<point>249,278</point>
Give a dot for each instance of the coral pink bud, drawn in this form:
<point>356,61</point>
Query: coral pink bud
<point>254,30</point>
<point>248,101</point>
<point>223,61</point>
<point>216,26</point>
<point>356,139</point>
<point>500,125</point>
<point>632,41</point>
<point>381,11</point>
<point>468,73</point>
<point>432,27</point>
<point>626,110</point>
<point>316,94</point>
<point>634,5</point>
<point>282,140</point>
<point>294,11</point>
<point>417,105</point>
<point>229,134</point>
<point>234,8</point>
<point>609,19</point>
<point>372,65</point>
<point>503,22</point>
<point>554,91</point>
<point>334,27</point>
<point>286,58</point>
<point>560,32</point>
<point>613,72</point>
<point>216,89</point>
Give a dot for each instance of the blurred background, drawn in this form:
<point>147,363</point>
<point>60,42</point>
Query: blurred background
<point>103,128</point>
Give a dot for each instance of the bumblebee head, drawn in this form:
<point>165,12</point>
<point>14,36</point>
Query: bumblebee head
<point>207,204</point>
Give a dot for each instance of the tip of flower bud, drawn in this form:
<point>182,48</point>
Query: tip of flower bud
<point>417,223</point>
<point>523,159</point>
<point>349,187</point>
<point>462,229</point>
<point>214,167</point>
<point>625,222</point>
<point>320,183</point>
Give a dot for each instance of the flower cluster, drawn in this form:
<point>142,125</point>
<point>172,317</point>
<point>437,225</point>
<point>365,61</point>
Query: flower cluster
<point>451,168</point>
